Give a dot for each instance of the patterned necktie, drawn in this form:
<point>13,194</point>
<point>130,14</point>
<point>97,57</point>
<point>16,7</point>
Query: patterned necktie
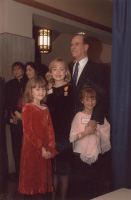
<point>75,73</point>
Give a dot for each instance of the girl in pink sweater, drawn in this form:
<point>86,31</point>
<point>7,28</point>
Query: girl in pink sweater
<point>88,141</point>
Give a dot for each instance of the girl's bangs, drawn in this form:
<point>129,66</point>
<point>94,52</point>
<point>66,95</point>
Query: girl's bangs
<point>58,62</point>
<point>39,84</point>
<point>90,95</point>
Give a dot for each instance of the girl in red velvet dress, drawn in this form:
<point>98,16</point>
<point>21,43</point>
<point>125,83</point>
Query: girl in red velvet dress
<point>38,146</point>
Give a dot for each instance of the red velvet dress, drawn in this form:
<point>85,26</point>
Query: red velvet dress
<point>36,171</point>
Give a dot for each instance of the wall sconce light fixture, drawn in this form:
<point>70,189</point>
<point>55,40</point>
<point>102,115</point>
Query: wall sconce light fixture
<point>44,40</point>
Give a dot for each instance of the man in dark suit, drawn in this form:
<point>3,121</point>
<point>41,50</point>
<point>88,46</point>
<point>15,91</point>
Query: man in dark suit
<point>90,74</point>
<point>85,72</point>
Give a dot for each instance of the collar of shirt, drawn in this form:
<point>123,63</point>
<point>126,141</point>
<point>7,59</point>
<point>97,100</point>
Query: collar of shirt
<point>82,64</point>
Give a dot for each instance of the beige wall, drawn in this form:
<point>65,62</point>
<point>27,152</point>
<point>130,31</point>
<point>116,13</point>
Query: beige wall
<point>2,16</point>
<point>60,48</point>
<point>15,18</point>
<point>19,20</point>
<point>93,10</point>
<point>98,52</point>
<point>14,48</point>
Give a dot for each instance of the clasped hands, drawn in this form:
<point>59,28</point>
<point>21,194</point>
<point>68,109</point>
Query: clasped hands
<point>91,126</point>
<point>46,154</point>
<point>90,129</point>
<point>16,116</point>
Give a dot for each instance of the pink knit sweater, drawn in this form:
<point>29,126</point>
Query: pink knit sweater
<point>89,146</point>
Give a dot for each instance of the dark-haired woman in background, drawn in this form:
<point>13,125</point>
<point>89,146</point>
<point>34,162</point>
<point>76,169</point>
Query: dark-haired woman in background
<point>32,69</point>
<point>14,92</point>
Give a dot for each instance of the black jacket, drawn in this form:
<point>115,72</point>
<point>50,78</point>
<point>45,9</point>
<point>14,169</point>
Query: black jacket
<point>14,89</point>
<point>94,76</point>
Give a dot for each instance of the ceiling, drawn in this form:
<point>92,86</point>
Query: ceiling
<point>99,11</point>
<point>71,16</point>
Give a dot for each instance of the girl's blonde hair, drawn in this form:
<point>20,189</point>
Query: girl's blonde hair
<point>53,64</point>
<point>34,82</point>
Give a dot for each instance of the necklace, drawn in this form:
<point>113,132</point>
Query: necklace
<point>38,105</point>
<point>42,107</point>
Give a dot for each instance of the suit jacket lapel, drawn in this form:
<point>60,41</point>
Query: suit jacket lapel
<point>83,75</point>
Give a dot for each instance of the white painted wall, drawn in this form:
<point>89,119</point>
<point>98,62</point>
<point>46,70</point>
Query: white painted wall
<point>17,18</point>
<point>2,15</point>
<point>99,11</point>
<point>60,48</point>
<point>98,52</point>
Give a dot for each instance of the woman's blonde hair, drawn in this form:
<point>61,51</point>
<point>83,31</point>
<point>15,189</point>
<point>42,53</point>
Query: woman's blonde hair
<point>34,82</point>
<point>53,64</point>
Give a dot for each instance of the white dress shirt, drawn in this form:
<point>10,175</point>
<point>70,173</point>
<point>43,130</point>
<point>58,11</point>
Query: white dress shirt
<point>81,66</point>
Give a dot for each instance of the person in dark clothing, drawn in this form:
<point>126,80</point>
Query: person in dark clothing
<point>13,97</point>
<point>90,74</point>
<point>32,69</point>
<point>61,103</point>
<point>3,149</point>
<point>85,72</point>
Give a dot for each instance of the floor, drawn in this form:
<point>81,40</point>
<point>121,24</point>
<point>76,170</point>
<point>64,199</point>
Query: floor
<point>10,192</point>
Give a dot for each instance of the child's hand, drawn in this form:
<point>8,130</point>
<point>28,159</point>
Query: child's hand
<point>89,129</point>
<point>14,118</point>
<point>46,154</point>
<point>92,123</point>
<point>49,154</point>
<point>18,115</point>
<point>50,85</point>
<point>43,152</point>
